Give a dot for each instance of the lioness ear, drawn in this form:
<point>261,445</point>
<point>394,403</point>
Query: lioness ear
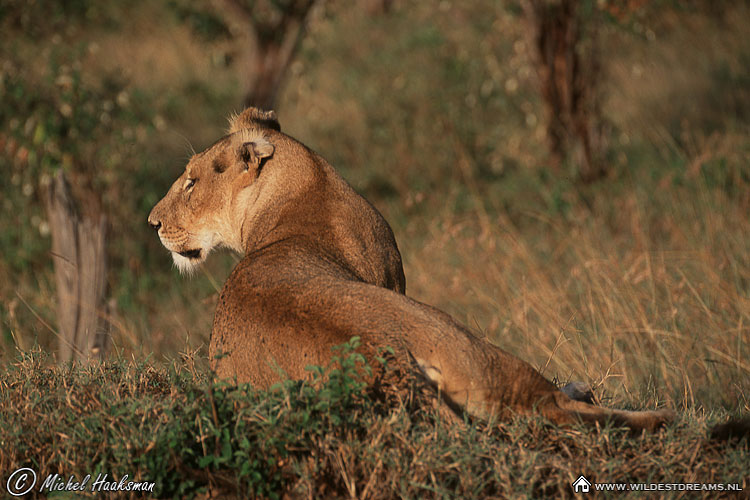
<point>253,152</point>
<point>253,118</point>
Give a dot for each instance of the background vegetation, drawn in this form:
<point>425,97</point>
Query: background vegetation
<point>638,283</point>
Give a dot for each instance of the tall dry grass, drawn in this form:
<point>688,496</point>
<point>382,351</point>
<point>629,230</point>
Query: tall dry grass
<point>643,295</point>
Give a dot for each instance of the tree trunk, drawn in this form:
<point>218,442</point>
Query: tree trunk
<point>270,44</point>
<point>78,249</point>
<point>270,63</point>
<point>267,74</point>
<point>569,81</point>
<point>377,7</point>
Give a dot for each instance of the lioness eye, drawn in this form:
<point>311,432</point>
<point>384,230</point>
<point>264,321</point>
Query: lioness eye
<point>189,184</point>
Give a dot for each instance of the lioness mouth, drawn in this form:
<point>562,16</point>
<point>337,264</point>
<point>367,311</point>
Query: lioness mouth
<point>191,254</point>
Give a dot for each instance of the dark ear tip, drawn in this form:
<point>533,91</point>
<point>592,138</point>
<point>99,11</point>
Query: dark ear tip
<point>272,121</point>
<point>267,119</point>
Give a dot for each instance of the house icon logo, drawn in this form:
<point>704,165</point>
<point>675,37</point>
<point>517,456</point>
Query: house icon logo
<point>581,485</point>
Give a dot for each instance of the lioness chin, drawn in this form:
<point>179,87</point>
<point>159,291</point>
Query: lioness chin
<point>321,265</point>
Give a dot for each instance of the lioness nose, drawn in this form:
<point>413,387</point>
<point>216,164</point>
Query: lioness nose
<point>154,224</point>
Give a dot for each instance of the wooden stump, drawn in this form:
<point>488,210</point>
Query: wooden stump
<point>78,250</point>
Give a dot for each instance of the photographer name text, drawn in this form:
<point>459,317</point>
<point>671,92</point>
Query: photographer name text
<point>55,482</point>
<point>24,480</point>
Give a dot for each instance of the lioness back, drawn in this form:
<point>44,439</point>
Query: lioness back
<point>268,323</point>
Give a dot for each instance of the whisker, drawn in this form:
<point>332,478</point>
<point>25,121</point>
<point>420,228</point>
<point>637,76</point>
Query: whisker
<point>187,144</point>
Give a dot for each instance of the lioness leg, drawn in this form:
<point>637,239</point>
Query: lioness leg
<point>636,420</point>
<point>489,382</point>
<point>469,372</point>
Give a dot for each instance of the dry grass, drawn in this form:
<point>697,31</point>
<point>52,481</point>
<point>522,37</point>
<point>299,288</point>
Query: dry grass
<point>650,307</point>
<point>194,438</point>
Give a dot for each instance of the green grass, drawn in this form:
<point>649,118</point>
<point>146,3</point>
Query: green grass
<point>329,438</point>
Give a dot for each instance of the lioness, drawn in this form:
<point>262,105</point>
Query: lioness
<point>321,265</point>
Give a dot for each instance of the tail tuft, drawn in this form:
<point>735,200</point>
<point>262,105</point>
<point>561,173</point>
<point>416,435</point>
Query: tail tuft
<point>733,430</point>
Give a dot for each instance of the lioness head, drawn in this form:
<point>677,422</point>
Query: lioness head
<point>199,212</point>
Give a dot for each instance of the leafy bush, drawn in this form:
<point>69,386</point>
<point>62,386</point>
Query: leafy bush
<point>180,430</point>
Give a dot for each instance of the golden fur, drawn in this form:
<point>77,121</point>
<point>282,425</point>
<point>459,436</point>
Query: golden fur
<point>321,265</point>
